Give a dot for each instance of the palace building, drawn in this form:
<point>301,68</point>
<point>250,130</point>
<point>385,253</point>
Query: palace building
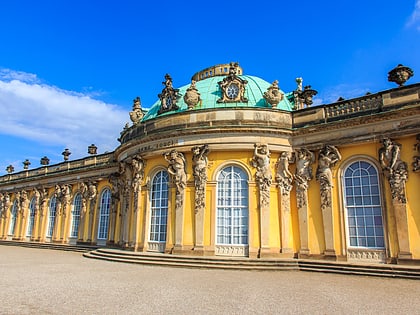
<point>231,165</point>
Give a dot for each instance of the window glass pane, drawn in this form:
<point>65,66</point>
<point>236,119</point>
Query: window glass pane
<point>159,207</point>
<point>363,206</point>
<point>232,207</point>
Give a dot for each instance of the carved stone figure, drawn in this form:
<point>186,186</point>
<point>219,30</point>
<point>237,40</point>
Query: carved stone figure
<point>24,202</point>
<point>284,177</point>
<point>91,194</point>
<point>177,169</point>
<point>200,164</point>
<point>303,175</point>
<point>192,96</point>
<point>6,204</point>
<point>261,161</point>
<point>137,164</point>
<point>37,200</point>
<point>273,96</point>
<point>168,97</point>
<point>328,158</point>
<point>394,169</point>
<point>416,163</point>
<point>136,114</point>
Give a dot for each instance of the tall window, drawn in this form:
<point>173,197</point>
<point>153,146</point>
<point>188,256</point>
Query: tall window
<point>232,207</point>
<point>363,204</point>
<point>75,215</point>
<point>104,215</point>
<point>31,217</point>
<point>12,225</point>
<point>159,207</point>
<point>51,216</point>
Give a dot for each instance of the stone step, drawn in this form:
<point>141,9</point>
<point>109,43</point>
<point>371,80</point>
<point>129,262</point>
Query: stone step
<point>64,247</point>
<point>189,263</point>
<point>148,258</point>
<point>198,259</point>
<point>396,271</point>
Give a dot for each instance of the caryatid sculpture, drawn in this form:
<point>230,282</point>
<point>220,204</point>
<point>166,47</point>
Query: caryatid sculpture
<point>394,169</point>
<point>261,161</point>
<point>200,164</point>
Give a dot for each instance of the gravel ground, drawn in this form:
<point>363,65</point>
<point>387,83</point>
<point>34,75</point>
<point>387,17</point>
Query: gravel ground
<point>41,281</point>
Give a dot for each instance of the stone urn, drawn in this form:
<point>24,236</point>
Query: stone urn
<point>400,74</point>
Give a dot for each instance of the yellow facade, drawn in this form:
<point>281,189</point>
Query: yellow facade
<point>120,200</point>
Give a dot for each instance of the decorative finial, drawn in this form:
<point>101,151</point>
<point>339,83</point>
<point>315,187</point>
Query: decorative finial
<point>45,161</point>
<point>400,74</point>
<point>26,164</point>
<point>10,169</point>
<point>66,153</point>
<point>92,149</point>
<point>192,96</point>
<point>136,114</point>
<point>307,94</point>
<point>273,96</point>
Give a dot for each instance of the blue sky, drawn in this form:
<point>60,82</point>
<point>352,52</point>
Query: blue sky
<point>70,69</point>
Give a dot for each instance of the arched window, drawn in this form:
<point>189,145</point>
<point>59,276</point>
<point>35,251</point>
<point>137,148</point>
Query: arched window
<point>13,216</point>
<point>104,214</point>
<point>232,207</point>
<point>51,216</point>
<point>75,215</point>
<point>363,206</point>
<point>159,207</point>
<point>31,217</point>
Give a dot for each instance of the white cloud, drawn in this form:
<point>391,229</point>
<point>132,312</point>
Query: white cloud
<point>49,115</point>
<point>414,20</point>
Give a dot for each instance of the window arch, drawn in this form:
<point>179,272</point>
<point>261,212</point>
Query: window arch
<point>51,216</point>
<point>232,206</point>
<point>75,215</point>
<point>13,216</point>
<point>31,217</point>
<point>159,207</point>
<point>104,214</point>
<point>363,204</point>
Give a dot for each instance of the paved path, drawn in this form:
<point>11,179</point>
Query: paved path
<point>40,281</point>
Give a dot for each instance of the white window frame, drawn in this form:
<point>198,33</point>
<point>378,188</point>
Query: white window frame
<point>52,208</point>
<point>364,213</point>
<point>232,210</point>
<point>31,220</point>
<point>104,210</point>
<point>75,215</point>
<point>159,201</point>
<point>13,218</point>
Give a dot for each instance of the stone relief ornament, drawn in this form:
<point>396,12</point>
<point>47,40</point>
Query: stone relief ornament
<point>233,87</point>
<point>200,165</point>
<point>136,114</point>
<point>273,96</point>
<point>6,204</point>
<point>416,163</point>
<point>192,96</point>
<point>284,177</point>
<point>327,158</point>
<point>394,169</point>
<point>24,202</point>
<point>177,169</point>
<point>168,97</point>
<point>400,74</point>
<point>261,161</point>
<point>303,175</point>
<point>37,200</point>
<point>2,210</point>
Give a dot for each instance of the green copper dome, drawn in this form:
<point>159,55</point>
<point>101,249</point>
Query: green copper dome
<point>210,93</point>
